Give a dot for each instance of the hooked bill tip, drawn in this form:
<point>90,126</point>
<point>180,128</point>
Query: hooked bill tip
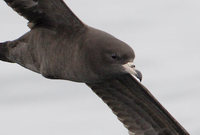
<point>130,68</point>
<point>138,75</point>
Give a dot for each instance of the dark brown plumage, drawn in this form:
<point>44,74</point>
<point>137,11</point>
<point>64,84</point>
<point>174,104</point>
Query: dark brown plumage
<point>60,46</point>
<point>136,107</point>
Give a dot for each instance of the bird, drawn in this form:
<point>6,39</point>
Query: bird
<point>60,46</point>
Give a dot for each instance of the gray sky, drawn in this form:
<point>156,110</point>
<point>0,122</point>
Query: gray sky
<point>165,37</point>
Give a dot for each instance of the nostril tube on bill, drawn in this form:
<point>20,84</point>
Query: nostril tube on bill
<point>132,66</point>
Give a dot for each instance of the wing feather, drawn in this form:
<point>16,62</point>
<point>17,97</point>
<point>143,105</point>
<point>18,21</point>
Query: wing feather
<point>46,13</point>
<point>136,108</point>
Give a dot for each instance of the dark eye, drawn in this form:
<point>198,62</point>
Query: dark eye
<point>115,57</point>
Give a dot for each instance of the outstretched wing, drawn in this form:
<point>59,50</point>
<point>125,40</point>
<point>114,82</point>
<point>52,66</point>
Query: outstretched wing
<point>136,108</point>
<point>45,13</point>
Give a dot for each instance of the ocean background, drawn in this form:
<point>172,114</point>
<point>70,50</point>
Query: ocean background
<point>165,35</point>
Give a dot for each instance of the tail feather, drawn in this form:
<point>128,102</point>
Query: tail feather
<point>4,52</point>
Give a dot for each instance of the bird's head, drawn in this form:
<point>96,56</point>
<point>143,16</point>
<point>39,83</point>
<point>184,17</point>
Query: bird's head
<point>109,57</point>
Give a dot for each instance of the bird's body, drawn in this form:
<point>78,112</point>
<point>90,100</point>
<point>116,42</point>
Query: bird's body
<point>60,46</point>
<point>47,52</point>
<point>57,55</point>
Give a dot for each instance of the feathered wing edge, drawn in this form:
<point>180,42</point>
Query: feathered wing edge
<point>136,108</point>
<point>46,13</point>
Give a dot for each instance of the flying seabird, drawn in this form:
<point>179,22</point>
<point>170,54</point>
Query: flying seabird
<point>60,46</point>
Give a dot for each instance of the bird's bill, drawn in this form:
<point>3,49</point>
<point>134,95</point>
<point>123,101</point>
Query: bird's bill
<point>130,68</point>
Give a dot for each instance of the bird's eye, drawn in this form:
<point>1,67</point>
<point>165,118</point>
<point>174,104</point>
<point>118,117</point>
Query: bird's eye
<point>115,57</point>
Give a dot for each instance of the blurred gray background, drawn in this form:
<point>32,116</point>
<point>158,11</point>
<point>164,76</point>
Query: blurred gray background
<point>165,36</point>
